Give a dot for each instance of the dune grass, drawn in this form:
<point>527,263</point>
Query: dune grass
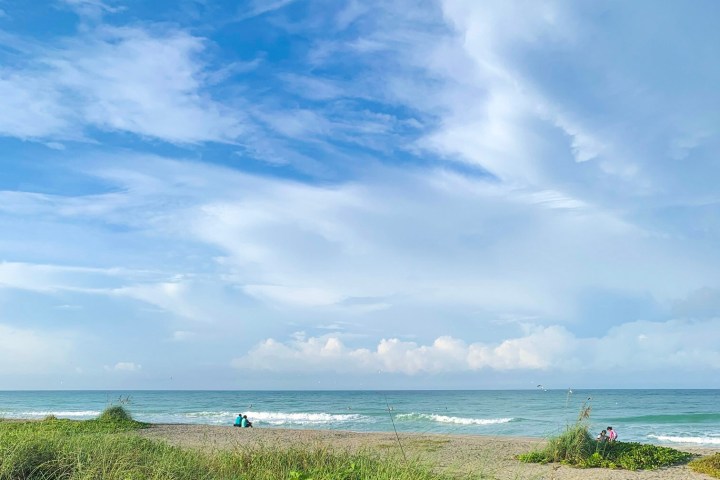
<point>104,448</point>
<point>707,465</point>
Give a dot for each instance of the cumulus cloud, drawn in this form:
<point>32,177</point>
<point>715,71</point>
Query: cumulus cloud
<point>637,346</point>
<point>392,355</point>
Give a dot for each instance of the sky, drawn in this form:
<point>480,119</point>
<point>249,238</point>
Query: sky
<point>359,194</point>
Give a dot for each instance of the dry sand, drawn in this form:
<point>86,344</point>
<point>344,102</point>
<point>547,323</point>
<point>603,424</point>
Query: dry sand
<point>494,457</point>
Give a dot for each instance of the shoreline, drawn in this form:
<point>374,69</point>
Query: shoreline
<point>493,456</point>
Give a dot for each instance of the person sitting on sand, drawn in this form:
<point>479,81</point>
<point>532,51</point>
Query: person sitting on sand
<point>612,434</point>
<point>602,437</point>
<point>245,422</point>
<point>238,421</point>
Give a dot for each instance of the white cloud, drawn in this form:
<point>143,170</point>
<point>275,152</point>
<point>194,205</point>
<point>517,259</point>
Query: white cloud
<point>293,296</point>
<point>92,8</point>
<point>147,82</point>
<point>207,299</point>
<point>261,7</point>
<point>46,278</point>
<point>53,278</point>
<point>661,346</point>
<point>124,367</point>
<point>445,354</point>
<point>400,238</point>
<point>28,351</point>
<point>34,108</point>
<point>184,297</point>
<point>542,349</point>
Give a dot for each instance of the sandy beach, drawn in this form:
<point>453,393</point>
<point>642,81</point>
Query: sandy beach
<point>494,457</point>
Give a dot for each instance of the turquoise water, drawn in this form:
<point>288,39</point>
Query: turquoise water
<point>658,416</point>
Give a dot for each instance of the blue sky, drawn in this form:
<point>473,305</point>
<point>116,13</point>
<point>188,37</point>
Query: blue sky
<point>359,194</point>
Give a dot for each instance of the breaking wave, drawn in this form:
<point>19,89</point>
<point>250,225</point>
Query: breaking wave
<point>282,418</point>
<point>697,440</point>
<point>455,420</point>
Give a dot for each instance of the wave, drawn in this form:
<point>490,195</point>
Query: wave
<point>59,414</point>
<point>209,414</point>
<point>677,418</point>
<point>448,419</point>
<point>283,418</point>
<point>698,440</point>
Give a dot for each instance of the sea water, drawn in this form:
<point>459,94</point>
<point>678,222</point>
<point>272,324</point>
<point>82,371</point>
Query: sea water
<point>657,416</point>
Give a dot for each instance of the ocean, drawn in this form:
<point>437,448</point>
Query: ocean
<point>665,417</point>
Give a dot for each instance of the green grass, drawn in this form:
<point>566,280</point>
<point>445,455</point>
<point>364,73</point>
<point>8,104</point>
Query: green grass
<point>707,465</point>
<point>577,448</point>
<point>106,449</point>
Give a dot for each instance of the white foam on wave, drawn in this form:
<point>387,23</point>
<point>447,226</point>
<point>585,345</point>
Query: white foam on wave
<point>456,420</point>
<point>59,414</point>
<point>283,418</point>
<point>208,414</point>
<point>697,440</point>
<point>203,417</point>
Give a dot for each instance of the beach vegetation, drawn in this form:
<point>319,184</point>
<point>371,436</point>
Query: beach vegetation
<point>576,447</point>
<point>115,414</point>
<point>109,448</point>
<point>708,465</point>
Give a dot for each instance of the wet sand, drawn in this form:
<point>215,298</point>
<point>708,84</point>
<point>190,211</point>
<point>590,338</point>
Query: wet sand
<point>493,457</point>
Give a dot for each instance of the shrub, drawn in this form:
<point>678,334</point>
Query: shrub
<point>707,465</point>
<point>572,446</point>
<point>576,447</point>
<point>638,456</point>
<point>115,413</point>
<point>580,450</point>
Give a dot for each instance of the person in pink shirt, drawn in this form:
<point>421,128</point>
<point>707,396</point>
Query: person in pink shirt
<point>611,434</point>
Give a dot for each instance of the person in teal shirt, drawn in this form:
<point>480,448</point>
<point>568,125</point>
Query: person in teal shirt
<point>238,420</point>
<point>245,422</point>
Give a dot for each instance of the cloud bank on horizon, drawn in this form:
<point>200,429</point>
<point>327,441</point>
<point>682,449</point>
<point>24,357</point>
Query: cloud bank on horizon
<point>296,194</point>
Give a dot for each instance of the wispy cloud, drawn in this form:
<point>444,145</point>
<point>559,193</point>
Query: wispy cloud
<point>92,8</point>
<point>335,243</point>
<point>261,7</point>
<point>149,82</point>
<point>124,367</point>
<point>413,172</point>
